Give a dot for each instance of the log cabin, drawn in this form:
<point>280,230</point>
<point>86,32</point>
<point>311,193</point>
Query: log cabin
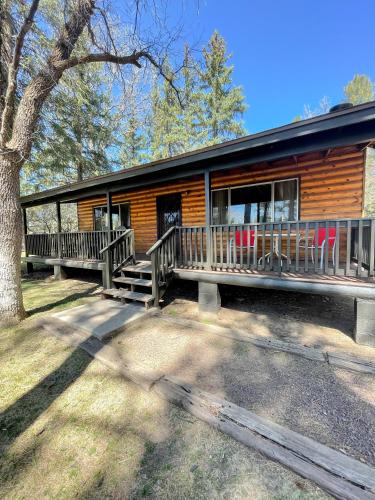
<point>281,209</point>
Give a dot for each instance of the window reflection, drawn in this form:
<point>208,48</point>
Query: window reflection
<point>272,201</point>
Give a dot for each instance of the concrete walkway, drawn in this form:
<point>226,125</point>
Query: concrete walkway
<point>104,318</point>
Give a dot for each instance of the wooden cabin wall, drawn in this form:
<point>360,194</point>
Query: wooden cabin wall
<point>331,186</point>
<point>143,208</point>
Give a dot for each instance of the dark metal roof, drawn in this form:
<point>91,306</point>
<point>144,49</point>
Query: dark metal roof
<point>351,126</point>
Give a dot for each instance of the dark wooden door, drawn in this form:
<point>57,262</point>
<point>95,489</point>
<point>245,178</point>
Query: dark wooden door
<point>168,212</point>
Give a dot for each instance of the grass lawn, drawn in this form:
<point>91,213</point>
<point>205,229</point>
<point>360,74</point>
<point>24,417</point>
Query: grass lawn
<point>69,428</point>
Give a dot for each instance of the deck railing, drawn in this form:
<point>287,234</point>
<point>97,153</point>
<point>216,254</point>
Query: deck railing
<point>163,255</point>
<point>332,247</point>
<point>82,245</point>
<point>117,253</point>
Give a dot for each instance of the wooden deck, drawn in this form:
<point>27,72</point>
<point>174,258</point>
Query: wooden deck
<point>93,264</point>
<point>288,281</point>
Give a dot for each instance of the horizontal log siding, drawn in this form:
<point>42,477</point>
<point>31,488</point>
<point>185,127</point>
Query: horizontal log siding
<point>330,187</point>
<point>143,208</point>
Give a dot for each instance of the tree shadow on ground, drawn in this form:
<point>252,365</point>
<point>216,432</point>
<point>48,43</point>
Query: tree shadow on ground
<point>329,312</point>
<point>64,301</point>
<point>22,413</point>
<point>194,461</point>
<point>307,396</point>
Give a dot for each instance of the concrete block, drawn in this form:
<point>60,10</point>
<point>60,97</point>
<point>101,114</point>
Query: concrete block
<point>104,318</point>
<point>364,331</point>
<point>59,273</point>
<point>209,297</point>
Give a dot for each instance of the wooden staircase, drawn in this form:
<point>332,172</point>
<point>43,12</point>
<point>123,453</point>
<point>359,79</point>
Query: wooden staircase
<point>141,281</point>
<point>133,284</point>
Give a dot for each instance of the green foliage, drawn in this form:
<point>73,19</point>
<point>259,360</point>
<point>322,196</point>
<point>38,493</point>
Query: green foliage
<point>134,143</point>
<point>77,132</point>
<point>222,104</point>
<point>83,133</point>
<point>210,107</point>
<point>359,90</point>
<point>166,113</point>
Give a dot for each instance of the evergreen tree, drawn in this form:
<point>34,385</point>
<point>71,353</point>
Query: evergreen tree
<point>134,147</point>
<point>77,131</point>
<point>165,129</point>
<point>221,103</point>
<point>359,90</point>
<point>191,135</point>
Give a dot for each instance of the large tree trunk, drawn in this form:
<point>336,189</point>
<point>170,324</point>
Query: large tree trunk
<point>11,305</point>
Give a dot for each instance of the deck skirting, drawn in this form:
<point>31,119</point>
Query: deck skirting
<point>75,263</point>
<point>340,287</point>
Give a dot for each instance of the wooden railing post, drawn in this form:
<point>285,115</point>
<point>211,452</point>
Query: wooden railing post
<point>29,265</point>
<point>58,213</point>
<point>108,269</point>
<point>207,199</point>
<point>155,277</point>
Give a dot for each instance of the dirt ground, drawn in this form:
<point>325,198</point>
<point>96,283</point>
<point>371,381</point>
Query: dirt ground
<point>70,428</point>
<point>305,319</point>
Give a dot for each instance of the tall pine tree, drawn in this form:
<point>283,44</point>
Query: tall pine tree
<point>165,128</point>
<point>78,132</point>
<point>221,103</point>
<point>360,89</point>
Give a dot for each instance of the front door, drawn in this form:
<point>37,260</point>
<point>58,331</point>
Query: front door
<point>169,212</point>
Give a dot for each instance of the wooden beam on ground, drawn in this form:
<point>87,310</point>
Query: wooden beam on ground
<point>335,472</point>
<point>333,358</point>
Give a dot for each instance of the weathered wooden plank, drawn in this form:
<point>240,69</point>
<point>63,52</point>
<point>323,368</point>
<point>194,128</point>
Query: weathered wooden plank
<point>104,353</point>
<point>340,475</point>
<point>354,363</point>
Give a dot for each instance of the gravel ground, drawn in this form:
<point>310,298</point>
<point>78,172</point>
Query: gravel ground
<point>333,406</point>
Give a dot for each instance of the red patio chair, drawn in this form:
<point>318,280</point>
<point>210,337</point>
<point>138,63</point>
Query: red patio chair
<point>244,239</point>
<point>319,240</point>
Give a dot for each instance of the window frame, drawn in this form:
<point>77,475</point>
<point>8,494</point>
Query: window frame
<point>114,205</point>
<point>272,183</point>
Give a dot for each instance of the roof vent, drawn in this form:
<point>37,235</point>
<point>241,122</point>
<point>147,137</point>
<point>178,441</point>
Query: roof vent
<point>341,107</point>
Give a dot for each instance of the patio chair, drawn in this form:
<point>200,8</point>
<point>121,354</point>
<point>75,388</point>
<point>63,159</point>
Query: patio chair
<point>248,241</point>
<point>319,240</point>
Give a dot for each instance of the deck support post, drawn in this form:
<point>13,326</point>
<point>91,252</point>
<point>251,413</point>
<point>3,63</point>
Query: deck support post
<point>59,273</point>
<point>364,315</point>
<point>107,274</point>
<point>208,297</point>
<point>29,265</point>
<point>58,214</point>
<point>207,200</point>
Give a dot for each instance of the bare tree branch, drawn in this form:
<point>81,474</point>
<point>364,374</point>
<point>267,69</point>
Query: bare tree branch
<point>8,111</point>
<point>42,84</point>
<point>133,58</point>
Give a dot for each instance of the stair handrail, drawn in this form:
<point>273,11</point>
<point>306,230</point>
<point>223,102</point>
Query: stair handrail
<point>159,242</point>
<point>115,241</point>
<point>163,256</point>
<point>123,254</point>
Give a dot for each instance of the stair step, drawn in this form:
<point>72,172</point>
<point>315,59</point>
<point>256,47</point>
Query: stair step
<point>133,281</point>
<point>139,267</point>
<point>119,293</point>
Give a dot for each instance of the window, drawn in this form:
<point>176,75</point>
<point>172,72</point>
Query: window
<point>267,202</point>
<point>120,217</point>
<point>285,201</point>
<point>220,206</point>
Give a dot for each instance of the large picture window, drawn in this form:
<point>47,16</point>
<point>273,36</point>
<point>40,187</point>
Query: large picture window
<point>267,202</point>
<point>120,217</point>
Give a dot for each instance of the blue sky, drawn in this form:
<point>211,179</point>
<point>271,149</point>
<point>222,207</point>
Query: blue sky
<point>289,53</point>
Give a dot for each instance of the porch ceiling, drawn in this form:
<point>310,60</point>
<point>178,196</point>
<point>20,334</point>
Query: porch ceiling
<point>352,126</point>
